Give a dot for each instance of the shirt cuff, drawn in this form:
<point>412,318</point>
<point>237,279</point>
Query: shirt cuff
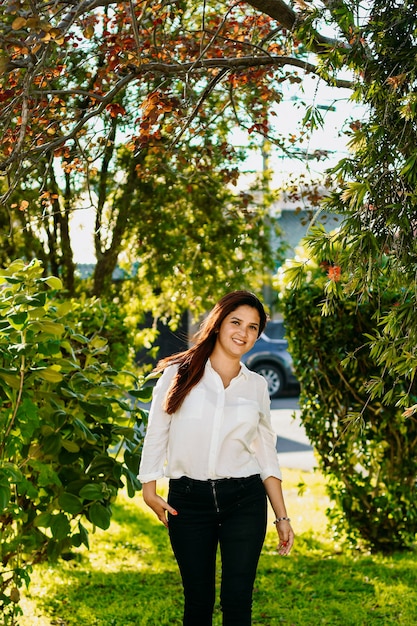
<point>274,472</point>
<point>147,478</point>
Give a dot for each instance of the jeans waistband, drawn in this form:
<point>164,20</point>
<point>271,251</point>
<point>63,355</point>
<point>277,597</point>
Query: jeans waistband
<point>193,481</point>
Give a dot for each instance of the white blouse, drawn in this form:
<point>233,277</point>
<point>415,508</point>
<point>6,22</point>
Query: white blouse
<point>216,433</point>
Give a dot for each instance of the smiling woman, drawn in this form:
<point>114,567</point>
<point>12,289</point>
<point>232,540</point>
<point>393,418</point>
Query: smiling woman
<point>236,335</point>
<point>210,423</point>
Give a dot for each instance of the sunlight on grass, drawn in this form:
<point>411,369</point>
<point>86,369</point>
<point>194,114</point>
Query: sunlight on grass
<point>130,578</point>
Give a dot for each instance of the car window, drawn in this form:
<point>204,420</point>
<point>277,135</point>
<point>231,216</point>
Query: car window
<point>275,330</point>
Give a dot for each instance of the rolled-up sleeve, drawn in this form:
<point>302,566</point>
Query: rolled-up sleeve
<point>264,444</point>
<point>154,453</point>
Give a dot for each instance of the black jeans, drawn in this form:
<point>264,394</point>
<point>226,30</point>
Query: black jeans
<point>230,512</point>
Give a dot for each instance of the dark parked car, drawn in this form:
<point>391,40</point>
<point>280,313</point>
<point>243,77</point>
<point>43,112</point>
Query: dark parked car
<point>270,358</point>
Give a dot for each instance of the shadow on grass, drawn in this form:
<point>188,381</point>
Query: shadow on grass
<point>315,586</point>
<point>129,578</point>
<point>136,583</point>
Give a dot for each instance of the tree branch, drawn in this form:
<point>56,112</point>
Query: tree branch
<point>232,64</point>
<point>235,63</point>
<point>287,17</point>
<point>216,79</point>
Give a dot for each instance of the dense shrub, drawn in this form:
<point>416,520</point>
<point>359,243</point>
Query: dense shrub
<point>366,445</point>
<point>68,425</point>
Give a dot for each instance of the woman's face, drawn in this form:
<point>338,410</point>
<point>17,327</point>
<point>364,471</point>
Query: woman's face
<point>239,331</point>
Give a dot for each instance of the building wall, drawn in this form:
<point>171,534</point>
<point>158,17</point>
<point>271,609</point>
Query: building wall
<point>295,225</point>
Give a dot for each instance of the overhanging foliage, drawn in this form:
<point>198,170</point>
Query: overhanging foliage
<point>81,78</point>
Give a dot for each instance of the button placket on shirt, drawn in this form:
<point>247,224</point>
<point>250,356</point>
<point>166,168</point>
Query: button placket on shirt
<point>217,423</point>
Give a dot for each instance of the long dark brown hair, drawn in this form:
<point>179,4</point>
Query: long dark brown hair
<point>191,362</point>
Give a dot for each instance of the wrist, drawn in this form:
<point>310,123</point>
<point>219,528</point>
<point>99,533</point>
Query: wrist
<point>281,519</point>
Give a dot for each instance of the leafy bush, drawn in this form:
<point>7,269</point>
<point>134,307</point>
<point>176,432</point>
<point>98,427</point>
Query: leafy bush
<point>366,444</point>
<point>106,319</point>
<point>68,426</point>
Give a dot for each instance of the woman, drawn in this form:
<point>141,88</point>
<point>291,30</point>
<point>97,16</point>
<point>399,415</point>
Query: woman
<point>210,422</point>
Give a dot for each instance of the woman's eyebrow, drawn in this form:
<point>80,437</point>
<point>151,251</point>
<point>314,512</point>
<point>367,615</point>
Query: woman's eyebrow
<point>240,320</point>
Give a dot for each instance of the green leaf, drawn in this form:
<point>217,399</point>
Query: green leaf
<point>132,461</point>
<point>313,118</point>
<point>141,415</point>
<point>76,540</point>
<point>50,374</point>
<point>12,280</point>
<point>43,520</point>
<point>70,446</point>
<point>49,327</point>
<point>11,377</point>
<point>13,473</point>
<point>68,393</point>
<point>101,464</point>
<point>99,515</point>
<point>18,319</point>
<point>124,431</point>
<point>79,338</point>
<point>5,494</point>
<point>53,282</point>
<point>93,491</point>
<point>58,418</point>
<point>31,301</point>
<point>70,503</point>
<point>132,482</point>
<point>60,526</point>
<point>51,445</point>
<point>64,308</point>
<point>84,535</point>
<point>84,432</point>
<point>144,394</point>
<point>50,348</point>
<point>98,343</point>
<point>123,405</point>
<point>96,410</point>
<point>47,430</point>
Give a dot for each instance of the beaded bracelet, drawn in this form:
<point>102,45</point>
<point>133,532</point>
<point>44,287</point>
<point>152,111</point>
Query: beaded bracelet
<point>282,519</point>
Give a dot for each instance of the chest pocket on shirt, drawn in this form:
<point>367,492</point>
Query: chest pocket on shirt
<point>247,410</point>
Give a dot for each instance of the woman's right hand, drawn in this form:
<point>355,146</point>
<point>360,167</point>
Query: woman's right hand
<point>158,505</point>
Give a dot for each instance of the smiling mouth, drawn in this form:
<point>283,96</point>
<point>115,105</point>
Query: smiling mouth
<point>240,342</point>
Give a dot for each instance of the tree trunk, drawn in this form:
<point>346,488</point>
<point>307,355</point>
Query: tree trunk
<point>107,259</point>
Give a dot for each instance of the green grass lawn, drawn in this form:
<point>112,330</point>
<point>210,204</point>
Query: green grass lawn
<point>130,578</point>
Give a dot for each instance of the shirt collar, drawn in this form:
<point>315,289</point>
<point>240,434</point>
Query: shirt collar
<point>244,371</point>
